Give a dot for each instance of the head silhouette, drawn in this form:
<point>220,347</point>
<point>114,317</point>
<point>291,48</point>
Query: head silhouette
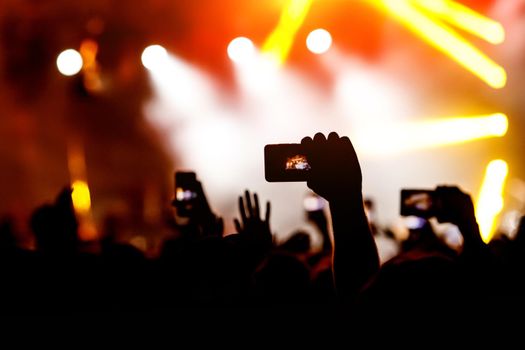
<point>55,226</point>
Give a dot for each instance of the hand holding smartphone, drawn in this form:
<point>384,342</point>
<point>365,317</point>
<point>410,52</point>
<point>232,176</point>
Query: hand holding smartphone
<point>185,192</point>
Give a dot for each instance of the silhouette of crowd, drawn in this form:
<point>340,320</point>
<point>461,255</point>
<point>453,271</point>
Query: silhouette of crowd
<point>357,263</point>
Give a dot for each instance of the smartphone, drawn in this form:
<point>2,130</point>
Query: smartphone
<point>418,202</point>
<point>185,192</point>
<point>286,162</point>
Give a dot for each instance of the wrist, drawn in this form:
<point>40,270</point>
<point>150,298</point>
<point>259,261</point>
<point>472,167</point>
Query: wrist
<point>349,199</point>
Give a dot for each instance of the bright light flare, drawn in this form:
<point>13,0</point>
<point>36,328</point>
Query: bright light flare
<point>81,197</point>
<point>467,19</point>
<point>397,138</point>
<point>446,40</point>
<point>188,92</point>
<point>69,62</point>
<point>278,45</point>
<point>319,41</point>
<point>490,200</point>
<point>364,94</point>
<point>154,57</point>
<point>241,50</point>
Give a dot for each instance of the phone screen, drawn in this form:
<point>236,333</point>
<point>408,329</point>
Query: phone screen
<point>182,195</point>
<point>417,203</point>
<point>185,192</point>
<point>297,162</point>
<point>285,163</point>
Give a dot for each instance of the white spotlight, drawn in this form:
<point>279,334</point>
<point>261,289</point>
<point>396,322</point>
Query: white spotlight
<point>241,49</point>
<point>319,41</point>
<point>154,56</point>
<point>69,62</point>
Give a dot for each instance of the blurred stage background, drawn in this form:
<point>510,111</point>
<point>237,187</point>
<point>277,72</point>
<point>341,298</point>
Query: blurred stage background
<point>124,129</point>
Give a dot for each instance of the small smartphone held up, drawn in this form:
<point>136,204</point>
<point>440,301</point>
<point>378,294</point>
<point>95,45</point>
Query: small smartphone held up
<point>185,192</point>
<point>285,162</point>
<point>418,202</point>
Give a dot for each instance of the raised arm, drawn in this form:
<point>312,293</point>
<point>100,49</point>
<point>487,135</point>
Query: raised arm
<point>336,175</point>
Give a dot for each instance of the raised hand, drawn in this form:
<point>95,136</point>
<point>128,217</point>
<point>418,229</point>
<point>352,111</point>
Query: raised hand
<point>252,226</point>
<point>335,174</point>
<point>201,220</point>
<point>335,171</point>
<point>456,207</point>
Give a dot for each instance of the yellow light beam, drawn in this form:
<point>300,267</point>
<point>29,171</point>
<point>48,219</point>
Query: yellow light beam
<point>490,199</point>
<point>446,40</point>
<point>465,18</point>
<point>81,197</point>
<point>399,138</point>
<point>279,43</point>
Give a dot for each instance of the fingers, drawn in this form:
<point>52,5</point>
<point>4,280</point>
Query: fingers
<point>249,207</point>
<point>256,210</point>
<point>237,225</point>
<point>319,137</point>
<point>306,141</point>
<point>250,214</point>
<point>345,142</point>
<point>449,190</point>
<point>333,137</point>
<point>242,210</point>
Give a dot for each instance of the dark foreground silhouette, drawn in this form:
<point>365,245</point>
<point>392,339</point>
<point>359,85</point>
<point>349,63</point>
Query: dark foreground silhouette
<point>201,266</point>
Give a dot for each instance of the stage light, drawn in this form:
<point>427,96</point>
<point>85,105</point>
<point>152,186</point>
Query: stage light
<point>499,124</point>
<point>446,40</point>
<point>241,49</point>
<point>187,90</point>
<point>69,62</point>
<point>278,45</point>
<point>418,20</point>
<point>397,138</point>
<point>319,41</point>
<point>81,197</point>
<point>490,200</point>
<point>465,18</point>
<point>154,57</point>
